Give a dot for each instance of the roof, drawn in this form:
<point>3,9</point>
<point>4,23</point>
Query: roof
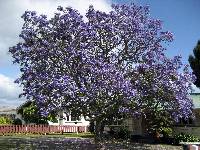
<point>7,110</point>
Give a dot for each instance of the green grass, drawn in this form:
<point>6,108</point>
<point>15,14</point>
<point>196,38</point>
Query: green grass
<point>64,135</point>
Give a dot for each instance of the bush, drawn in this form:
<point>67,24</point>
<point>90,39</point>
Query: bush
<point>17,121</point>
<point>123,133</point>
<point>119,132</point>
<point>185,138</point>
<point>166,131</point>
<point>42,121</point>
<point>5,120</point>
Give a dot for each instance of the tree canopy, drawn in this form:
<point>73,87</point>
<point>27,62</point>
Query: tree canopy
<point>194,61</point>
<point>107,64</point>
<point>30,113</point>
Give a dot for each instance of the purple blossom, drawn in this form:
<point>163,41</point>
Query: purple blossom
<point>112,63</point>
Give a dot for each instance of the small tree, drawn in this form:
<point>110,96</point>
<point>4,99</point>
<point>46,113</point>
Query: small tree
<point>194,61</point>
<point>159,122</point>
<point>17,121</point>
<point>30,113</point>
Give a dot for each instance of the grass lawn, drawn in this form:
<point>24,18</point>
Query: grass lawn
<point>64,135</point>
<point>50,142</point>
<point>73,141</point>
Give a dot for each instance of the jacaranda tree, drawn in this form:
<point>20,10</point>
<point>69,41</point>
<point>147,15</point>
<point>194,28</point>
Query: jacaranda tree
<point>102,65</point>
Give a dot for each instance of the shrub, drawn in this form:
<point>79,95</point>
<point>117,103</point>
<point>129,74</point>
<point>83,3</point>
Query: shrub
<point>17,121</point>
<point>166,131</point>
<point>123,133</point>
<point>185,138</point>
<point>119,132</point>
<point>5,120</point>
<point>42,121</point>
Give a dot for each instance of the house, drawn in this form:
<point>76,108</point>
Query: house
<point>190,126</point>
<point>10,112</point>
<point>69,118</point>
<point>63,117</point>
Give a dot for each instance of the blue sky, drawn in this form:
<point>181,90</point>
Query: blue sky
<point>181,17</point>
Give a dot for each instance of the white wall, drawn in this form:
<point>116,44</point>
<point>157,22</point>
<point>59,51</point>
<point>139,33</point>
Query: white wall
<point>81,122</point>
<point>187,130</point>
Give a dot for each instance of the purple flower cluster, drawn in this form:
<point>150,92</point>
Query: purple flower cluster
<point>113,62</point>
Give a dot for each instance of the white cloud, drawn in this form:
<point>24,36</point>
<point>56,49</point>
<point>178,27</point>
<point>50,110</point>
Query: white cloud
<point>10,27</point>
<point>12,10</point>
<point>9,91</point>
<point>49,6</point>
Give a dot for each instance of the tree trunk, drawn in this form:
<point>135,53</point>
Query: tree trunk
<point>98,130</point>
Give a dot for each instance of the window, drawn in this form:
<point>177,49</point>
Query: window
<point>67,116</point>
<point>75,117</point>
<point>183,121</point>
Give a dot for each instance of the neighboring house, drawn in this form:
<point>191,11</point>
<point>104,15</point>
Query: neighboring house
<point>69,118</point>
<point>10,112</point>
<point>191,126</point>
<point>63,117</point>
